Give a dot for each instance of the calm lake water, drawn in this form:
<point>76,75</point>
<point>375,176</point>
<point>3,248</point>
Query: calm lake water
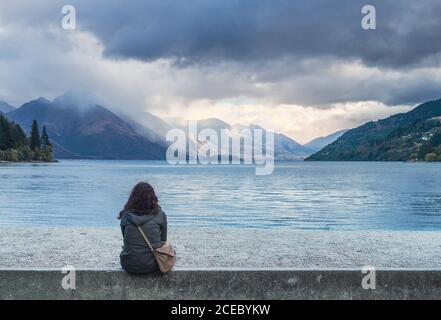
<point>298,195</point>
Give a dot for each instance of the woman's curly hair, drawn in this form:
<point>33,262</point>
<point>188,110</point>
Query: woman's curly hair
<point>142,199</point>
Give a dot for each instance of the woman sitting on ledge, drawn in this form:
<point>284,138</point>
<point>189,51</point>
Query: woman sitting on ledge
<point>142,210</point>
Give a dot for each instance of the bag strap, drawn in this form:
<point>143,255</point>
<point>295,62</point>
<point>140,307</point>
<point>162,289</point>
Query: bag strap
<point>145,238</point>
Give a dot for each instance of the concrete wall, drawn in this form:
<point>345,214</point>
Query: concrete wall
<point>222,284</point>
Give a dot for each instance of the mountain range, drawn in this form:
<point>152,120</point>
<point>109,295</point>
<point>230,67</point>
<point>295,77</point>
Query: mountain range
<point>5,108</point>
<point>86,131</point>
<point>285,148</point>
<point>401,137</point>
<point>80,127</point>
<point>321,142</point>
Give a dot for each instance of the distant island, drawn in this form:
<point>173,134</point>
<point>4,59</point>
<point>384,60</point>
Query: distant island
<point>16,147</point>
<point>411,136</point>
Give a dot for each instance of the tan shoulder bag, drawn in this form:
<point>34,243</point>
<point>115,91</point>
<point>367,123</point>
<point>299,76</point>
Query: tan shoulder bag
<point>165,255</point>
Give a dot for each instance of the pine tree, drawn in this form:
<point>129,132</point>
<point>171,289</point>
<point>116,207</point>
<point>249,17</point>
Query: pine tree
<point>18,136</point>
<point>14,145</point>
<point>35,142</point>
<point>46,146</point>
<point>45,142</point>
<point>6,141</point>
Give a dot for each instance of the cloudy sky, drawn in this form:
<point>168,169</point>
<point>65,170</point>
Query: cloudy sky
<point>303,68</point>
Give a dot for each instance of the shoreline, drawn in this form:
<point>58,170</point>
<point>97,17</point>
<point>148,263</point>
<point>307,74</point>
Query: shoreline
<point>84,247</point>
<point>39,161</point>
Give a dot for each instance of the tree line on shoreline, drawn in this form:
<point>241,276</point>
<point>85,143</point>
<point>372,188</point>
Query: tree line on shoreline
<point>15,146</point>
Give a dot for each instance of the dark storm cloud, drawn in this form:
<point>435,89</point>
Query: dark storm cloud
<point>209,31</point>
<point>295,52</point>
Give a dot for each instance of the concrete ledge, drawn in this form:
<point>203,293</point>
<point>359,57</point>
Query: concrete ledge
<point>222,284</point>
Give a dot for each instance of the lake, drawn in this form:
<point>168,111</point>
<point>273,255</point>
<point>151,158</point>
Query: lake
<point>298,195</point>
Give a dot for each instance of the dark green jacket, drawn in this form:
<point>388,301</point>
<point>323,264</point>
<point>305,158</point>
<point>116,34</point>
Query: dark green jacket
<point>136,256</point>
